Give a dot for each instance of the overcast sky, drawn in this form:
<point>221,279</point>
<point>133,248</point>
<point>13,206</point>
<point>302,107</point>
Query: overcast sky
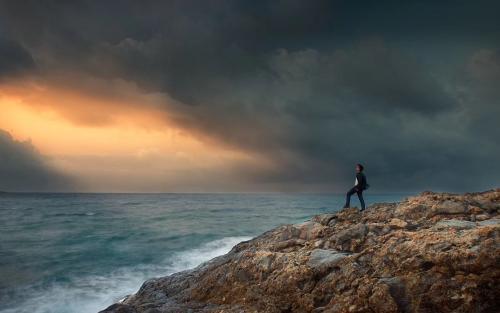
<point>267,95</point>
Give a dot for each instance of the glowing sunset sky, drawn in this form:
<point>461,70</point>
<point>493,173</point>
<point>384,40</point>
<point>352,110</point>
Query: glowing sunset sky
<point>120,142</point>
<point>181,96</point>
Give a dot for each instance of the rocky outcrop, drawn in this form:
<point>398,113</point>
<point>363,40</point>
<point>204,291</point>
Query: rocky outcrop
<point>435,252</point>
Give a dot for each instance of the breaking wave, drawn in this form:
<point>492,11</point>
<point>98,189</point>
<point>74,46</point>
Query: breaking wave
<point>91,294</point>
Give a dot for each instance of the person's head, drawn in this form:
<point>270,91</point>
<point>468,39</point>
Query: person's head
<point>359,168</point>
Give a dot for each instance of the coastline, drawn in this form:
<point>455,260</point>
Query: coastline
<point>428,252</point>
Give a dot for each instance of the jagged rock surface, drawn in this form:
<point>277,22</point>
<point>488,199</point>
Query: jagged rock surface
<point>435,252</point>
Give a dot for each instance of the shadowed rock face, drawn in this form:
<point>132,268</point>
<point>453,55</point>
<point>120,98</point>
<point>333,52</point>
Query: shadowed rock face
<point>435,252</point>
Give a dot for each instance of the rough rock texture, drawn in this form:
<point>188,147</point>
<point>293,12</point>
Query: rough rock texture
<point>435,252</point>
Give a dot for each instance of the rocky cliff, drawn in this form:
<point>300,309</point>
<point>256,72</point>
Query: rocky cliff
<point>435,252</point>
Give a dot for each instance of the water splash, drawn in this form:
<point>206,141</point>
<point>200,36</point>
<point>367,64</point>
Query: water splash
<point>94,293</point>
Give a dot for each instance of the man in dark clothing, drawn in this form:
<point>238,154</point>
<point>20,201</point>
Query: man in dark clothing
<point>359,185</point>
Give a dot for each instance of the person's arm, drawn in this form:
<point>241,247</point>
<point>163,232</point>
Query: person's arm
<point>359,181</point>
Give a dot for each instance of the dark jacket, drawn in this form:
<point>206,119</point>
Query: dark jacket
<point>361,181</point>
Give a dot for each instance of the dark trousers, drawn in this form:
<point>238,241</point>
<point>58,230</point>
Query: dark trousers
<point>360,196</point>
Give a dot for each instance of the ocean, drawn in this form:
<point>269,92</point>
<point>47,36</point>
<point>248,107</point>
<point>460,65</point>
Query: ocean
<point>79,253</point>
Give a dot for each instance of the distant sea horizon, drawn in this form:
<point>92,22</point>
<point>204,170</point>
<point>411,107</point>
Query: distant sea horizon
<point>377,193</point>
<point>78,252</point>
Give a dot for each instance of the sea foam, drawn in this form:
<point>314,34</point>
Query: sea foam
<point>93,293</point>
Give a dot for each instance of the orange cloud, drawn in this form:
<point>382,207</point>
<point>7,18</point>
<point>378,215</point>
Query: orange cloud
<point>95,102</point>
<point>114,141</point>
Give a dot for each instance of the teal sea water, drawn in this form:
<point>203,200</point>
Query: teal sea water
<point>78,253</point>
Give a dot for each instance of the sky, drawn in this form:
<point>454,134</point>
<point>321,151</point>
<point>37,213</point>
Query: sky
<point>249,96</point>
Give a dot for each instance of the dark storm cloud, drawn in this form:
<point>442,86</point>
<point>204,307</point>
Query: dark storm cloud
<point>408,88</point>
<point>14,60</point>
<point>392,115</point>
<point>22,168</point>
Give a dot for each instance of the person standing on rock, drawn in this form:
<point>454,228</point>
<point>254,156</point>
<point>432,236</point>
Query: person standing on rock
<point>360,184</point>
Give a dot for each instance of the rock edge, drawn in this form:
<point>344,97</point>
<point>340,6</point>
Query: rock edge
<point>435,252</point>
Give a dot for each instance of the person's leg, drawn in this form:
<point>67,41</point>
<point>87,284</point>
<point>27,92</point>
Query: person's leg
<point>348,197</point>
<point>361,200</point>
